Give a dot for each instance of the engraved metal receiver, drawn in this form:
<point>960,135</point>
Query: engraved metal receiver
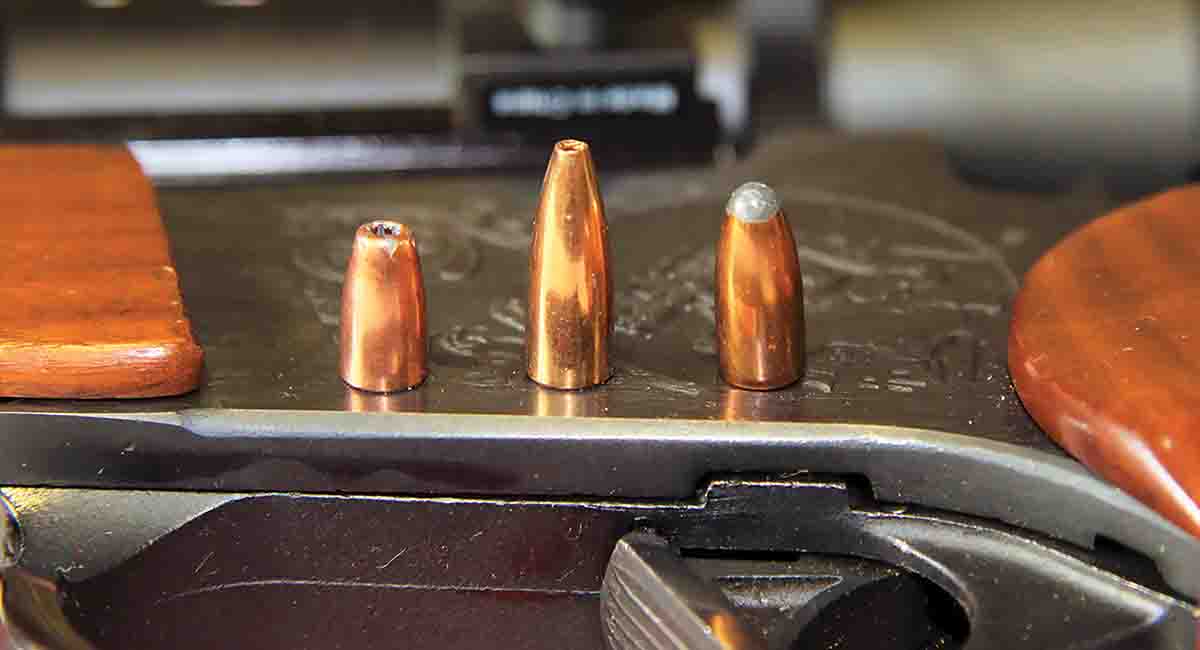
<point>895,495</point>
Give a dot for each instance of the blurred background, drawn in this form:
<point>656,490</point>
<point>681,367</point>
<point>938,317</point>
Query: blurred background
<point>1023,93</point>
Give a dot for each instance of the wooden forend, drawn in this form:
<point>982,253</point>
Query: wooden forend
<point>89,299</point>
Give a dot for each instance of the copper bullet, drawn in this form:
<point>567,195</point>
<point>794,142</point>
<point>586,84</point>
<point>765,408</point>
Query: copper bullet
<point>383,310</point>
<point>570,289</point>
<point>760,297</point>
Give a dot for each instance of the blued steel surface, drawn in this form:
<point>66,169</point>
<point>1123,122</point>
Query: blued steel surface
<point>306,571</point>
<point>908,276</point>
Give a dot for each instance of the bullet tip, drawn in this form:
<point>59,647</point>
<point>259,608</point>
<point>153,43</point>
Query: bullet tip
<point>388,234</point>
<point>752,202</point>
<point>571,146</point>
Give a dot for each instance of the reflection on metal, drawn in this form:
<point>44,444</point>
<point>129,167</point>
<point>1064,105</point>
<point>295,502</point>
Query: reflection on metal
<point>651,601</point>
<point>52,521</point>
<point>570,287</point>
<point>10,534</point>
<point>31,614</point>
<point>362,401</point>
<point>220,159</point>
<point>744,405</point>
<point>569,403</point>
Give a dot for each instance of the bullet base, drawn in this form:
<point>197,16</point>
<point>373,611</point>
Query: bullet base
<point>384,390</point>
<point>570,387</point>
<point>762,387</point>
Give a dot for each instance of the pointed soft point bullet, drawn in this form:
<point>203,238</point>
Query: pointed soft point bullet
<point>570,288</point>
<point>760,296</point>
<point>383,310</point>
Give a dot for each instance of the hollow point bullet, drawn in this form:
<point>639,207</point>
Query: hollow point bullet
<point>570,288</point>
<point>760,297</point>
<point>383,310</point>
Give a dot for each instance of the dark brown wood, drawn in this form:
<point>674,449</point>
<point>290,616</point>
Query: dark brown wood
<point>1105,350</point>
<point>89,299</point>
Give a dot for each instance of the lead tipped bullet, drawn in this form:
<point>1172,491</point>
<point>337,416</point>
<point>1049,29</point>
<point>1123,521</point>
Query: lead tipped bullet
<point>383,310</point>
<point>570,289</point>
<point>760,297</point>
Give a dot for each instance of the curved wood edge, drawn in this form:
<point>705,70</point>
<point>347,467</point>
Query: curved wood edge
<point>99,372</point>
<point>1134,422</point>
<point>92,302</point>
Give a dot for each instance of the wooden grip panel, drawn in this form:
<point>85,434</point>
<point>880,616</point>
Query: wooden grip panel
<point>89,299</point>
<point>1104,350</point>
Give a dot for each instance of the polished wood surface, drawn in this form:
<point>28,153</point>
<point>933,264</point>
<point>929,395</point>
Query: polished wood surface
<point>89,299</point>
<point>1105,350</point>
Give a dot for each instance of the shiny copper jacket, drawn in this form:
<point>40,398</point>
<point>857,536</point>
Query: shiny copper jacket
<point>383,310</point>
<point>760,296</point>
<point>570,288</point>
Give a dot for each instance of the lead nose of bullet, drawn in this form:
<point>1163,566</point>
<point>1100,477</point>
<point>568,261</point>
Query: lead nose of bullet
<point>570,288</point>
<point>760,296</point>
<point>383,310</point>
